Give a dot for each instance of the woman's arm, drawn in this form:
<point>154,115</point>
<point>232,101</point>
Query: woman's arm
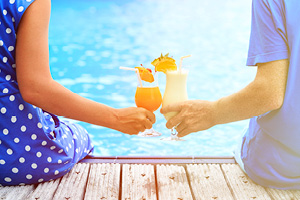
<point>38,88</point>
<point>264,94</point>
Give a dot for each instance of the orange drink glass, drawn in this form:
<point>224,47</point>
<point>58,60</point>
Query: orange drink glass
<point>150,98</point>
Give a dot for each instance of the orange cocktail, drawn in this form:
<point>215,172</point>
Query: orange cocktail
<point>147,94</point>
<point>148,98</point>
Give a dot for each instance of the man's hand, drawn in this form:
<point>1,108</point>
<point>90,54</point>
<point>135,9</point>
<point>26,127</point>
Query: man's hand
<point>193,116</point>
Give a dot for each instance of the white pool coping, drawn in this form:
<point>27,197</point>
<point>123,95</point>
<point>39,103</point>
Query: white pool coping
<point>160,160</point>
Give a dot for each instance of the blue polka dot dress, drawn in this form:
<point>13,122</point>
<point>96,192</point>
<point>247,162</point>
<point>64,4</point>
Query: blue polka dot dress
<point>35,146</point>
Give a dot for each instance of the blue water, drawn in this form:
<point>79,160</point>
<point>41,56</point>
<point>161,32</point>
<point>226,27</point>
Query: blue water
<point>90,39</point>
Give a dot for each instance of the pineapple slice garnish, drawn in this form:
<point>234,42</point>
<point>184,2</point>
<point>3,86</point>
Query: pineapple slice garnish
<point>164,64</point>
<point>145,74</point>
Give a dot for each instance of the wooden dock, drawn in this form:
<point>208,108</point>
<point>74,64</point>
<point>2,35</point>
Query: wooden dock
<point>150,179</point>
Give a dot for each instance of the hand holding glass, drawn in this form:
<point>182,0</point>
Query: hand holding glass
<point>149,97</point>
<point>175,92</point>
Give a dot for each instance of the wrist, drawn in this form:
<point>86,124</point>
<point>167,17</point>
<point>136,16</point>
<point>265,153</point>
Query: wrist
<point>113,119</point>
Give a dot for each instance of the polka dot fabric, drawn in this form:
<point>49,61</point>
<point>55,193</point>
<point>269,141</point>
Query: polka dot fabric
<point>35,146</point>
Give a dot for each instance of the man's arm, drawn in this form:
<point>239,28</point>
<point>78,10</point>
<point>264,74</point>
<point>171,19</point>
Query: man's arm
<point>263,94</point>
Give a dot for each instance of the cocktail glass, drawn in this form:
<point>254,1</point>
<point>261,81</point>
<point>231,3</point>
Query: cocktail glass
<point>175,92</point>
<point>149,97</point>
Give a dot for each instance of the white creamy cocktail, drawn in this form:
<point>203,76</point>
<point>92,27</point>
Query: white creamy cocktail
<point>175,90</point>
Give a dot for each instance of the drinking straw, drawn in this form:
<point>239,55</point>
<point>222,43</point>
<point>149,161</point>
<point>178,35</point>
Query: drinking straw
<point>180,65</point>
<point>137,73</point>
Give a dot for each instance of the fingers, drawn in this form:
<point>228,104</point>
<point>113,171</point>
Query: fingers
<point>183,130</point>
<point>140,127</point>
<point>150,116</point>
<point>147,120</point>
<point>184,133</point>
<point>181,126</point>
<point>134,120</point>
<point>137,128</point>
<point>176,107</point>
<point>148,124</point>
<point>174,121</point>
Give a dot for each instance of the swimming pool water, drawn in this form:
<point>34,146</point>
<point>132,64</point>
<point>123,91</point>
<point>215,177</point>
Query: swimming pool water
<point>89,40</point>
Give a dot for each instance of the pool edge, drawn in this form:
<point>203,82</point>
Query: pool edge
<point>160,160</point>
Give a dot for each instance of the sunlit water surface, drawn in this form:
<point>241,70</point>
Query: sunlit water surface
<point>90,39</point>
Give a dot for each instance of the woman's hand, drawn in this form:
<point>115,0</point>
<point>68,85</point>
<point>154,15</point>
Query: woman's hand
<point>134,120</point>
<point>193,116</point>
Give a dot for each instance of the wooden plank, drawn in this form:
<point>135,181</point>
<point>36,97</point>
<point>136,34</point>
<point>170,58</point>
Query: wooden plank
<point>15,192</point>
<point>138,182</point>
<point>73,184</point>
<point>242,186</point>
<point>284,194</point>
<point>103,182</point>
<point>44,191</point>
<point>207,182</point>
<point>172,182</point>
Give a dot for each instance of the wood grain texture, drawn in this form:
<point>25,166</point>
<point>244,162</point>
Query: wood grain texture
<point>284,194</point>
<point>241,185</point>
<point>73,184</point>
<point>15,192</point>
<point>39,192</point>
<point>172,183</point>
<point>138,182</point>
<point>207,182</point>
<point>107,181</point>
<point>103,182</point>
